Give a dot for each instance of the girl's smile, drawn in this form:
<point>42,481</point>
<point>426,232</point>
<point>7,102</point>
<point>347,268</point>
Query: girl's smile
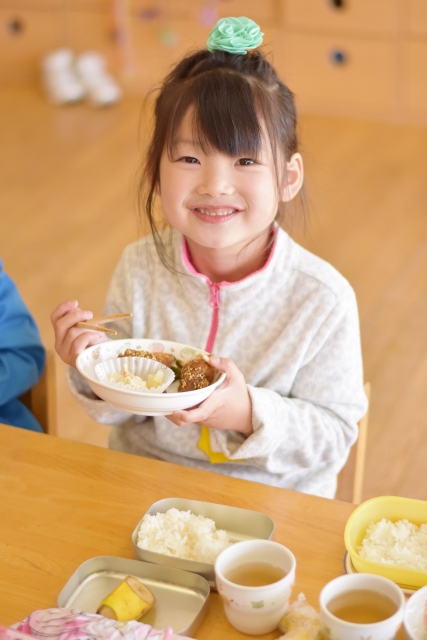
<point>215,214</point>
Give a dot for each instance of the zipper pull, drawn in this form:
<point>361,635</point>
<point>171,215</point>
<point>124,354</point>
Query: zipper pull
<point>214,297</point>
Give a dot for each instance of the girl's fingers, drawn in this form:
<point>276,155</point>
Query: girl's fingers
<point>62,309</point>
<point>200,413</point>
<point>65,323</point>
<point>73,347</point>
<point>83,341</point>
<point>231,370</point>
<point>75,338</point>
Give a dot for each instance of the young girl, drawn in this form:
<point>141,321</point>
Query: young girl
<point>224,277</point>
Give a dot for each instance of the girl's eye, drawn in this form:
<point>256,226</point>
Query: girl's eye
<point>243,162</point>
<point>189,160</point>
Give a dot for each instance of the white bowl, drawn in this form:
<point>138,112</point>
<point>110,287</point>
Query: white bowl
<point>147,404</point>
<point>414,617</point>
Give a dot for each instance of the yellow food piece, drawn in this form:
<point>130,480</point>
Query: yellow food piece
<point>128,601</point>
<point>301,622</point>
<point>155,379</point>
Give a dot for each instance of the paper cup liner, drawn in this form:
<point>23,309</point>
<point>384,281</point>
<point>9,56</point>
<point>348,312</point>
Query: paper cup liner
<point>141,367</point>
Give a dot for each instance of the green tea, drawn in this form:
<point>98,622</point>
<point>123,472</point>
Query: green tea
<point>362,606</point>
<point>255,574</point>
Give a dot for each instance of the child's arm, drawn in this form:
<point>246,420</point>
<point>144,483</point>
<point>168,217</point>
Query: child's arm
<point>22,355</point>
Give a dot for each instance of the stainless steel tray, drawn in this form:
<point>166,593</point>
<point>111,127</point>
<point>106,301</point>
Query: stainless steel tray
<point>181,597</point>
<point>240,524</point>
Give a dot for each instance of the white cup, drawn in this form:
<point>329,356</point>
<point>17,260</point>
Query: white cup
<point>415,618</point>
<point>336,629</point>
<point>255,610</point>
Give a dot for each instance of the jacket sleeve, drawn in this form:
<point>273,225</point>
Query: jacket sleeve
<point>317,424</point>
<point>22,355</point>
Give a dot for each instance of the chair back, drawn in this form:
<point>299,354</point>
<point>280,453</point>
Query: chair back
<point>350,478</point>
<point>41,398</point>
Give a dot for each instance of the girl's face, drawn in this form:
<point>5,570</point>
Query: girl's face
<point>218,202</point>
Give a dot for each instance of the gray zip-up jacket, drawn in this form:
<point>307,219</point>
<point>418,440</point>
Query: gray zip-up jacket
<point>292,328</point>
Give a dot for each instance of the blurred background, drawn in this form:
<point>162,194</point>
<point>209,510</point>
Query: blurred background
<point>69,173</point>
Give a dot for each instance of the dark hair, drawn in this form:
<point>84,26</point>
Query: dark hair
<point>234,100</point>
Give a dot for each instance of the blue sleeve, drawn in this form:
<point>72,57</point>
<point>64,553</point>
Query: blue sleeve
<point>22,355</point>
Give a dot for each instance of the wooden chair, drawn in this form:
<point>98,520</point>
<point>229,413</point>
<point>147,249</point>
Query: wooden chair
<point>350,478</point>
<point>41,399</point>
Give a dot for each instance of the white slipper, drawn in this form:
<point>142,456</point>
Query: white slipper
<point>59,78</point>
<point>101,88</point>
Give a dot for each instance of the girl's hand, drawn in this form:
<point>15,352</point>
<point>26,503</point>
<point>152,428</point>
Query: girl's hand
<point>229,406</point>
<point>69,340</point>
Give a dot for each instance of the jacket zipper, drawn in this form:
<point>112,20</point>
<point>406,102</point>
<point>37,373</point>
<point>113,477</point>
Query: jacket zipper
<point>214,303</point>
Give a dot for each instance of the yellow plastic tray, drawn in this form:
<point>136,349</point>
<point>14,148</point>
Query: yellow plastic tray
<point>393,508</point>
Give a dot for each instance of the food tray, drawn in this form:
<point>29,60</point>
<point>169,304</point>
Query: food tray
<point>240,524</point>
<point>181,597</point>
<point>393,508</point>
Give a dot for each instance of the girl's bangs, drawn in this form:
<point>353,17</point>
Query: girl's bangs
<point>220,123</point>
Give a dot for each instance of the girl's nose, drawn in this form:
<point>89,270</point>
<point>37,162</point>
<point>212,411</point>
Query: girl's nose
<point>215,181</point>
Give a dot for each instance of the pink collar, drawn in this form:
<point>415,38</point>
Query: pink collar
<point>192,270</point>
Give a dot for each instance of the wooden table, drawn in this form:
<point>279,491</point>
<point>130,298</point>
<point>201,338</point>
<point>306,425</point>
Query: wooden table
<point>64,502</point>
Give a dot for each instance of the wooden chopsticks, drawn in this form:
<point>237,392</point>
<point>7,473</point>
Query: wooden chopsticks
<point>95,324</point>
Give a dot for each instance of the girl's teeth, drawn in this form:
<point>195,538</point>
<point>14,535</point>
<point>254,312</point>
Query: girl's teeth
<point>209,212</point>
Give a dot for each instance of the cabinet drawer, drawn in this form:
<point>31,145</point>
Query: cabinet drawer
<point>264,12</point>
<point>21,50</point>
<point>93,31</point>
<point>150,57</point>
<point>149,11</point>
<point>32,5</point>
<point>350,16</point>
<point>416,11</point>
<point>60,5</point>
<point>414,79</point>
<point>195,10</point>
<point>362,84</point>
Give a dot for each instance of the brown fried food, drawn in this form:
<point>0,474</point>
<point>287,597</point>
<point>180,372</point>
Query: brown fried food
<point>196,374</point>
<point>165,358</point>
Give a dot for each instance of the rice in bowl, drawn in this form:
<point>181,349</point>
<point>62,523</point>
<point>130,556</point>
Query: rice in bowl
<point>183,535</point>
<point>399,543</point>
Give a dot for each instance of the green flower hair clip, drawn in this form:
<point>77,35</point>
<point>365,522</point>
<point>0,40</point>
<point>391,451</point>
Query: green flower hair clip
<point>235,35</point>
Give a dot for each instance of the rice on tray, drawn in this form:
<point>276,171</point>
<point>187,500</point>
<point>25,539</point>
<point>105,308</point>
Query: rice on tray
<point>400,543</point>
<point>183,535</point>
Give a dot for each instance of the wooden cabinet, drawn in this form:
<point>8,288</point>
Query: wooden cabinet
<point>338,74</point>
<point>88,30</point>
<point>364,17</point>
<point>416,18</point>
<point>356,57</point>
<point>414,80</point>
<point>25,36</point>
<point>347,57</point>
<point>264,12</point>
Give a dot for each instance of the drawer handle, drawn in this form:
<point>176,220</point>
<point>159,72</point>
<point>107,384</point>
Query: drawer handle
<point>15,27</point>
<point>338,4</point>
<point>338,57</point>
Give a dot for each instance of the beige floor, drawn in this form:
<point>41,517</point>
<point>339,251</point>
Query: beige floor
<point>67,208</point>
